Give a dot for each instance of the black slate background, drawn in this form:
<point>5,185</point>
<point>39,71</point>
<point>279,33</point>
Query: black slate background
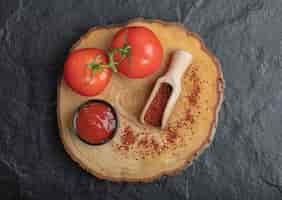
<point>245,159</point>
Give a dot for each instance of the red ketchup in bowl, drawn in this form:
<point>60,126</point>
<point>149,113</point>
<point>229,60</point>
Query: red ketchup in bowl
<point>95,122</point>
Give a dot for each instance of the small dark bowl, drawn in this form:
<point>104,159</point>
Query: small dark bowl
<point>87,103</point>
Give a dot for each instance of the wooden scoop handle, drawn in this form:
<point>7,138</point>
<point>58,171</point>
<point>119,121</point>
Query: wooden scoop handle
<point>179,63</point>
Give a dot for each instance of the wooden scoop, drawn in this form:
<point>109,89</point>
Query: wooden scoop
<point>179,63</point>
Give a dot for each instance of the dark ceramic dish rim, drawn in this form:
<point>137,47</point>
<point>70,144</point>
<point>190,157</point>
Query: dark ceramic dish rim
<point>75,114</point>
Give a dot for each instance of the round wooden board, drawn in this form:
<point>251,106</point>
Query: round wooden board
<point>151,153</point>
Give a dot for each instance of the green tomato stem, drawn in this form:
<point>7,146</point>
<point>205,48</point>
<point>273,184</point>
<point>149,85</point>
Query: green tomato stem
<point>125,52</point>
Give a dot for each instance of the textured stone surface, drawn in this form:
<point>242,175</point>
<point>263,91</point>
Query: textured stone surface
<point>245,159</point>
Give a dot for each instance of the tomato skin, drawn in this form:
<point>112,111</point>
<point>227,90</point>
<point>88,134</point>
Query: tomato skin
<point>146,52</point>
<point>80,77</point>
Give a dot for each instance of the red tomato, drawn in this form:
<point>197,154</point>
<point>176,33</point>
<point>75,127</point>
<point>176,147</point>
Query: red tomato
<point>145,55</point>
<point>80,77</point>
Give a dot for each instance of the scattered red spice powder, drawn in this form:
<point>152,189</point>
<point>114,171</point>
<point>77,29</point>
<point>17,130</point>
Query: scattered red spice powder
<point>127,137</point>
<point>156,146</point>
<point>193,97</point>
<point>123,147</point>
<point>143,142</point>
<point>155,110</point>
<point>189,117</point>
<point>147,145</point>
<point>170,128</point>
<point>171,136</point>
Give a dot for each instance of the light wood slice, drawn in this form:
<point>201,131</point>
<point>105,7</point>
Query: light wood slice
<point>151,152</point>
